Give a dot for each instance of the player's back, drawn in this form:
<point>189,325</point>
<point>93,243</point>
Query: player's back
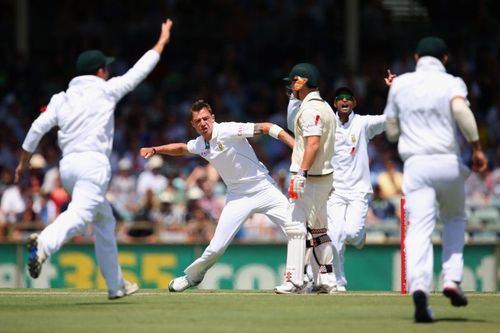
<point>85,116</point>
<point>421,99</point>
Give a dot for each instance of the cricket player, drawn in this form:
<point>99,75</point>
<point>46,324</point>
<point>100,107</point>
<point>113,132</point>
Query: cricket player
<point>311,183</point>
<point>250,189</point>
<point>423,110</point>
<point>84,114</point>
<point>348,204</point>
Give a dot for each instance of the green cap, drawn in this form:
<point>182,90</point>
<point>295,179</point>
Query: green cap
<point>308,71</point>
<point>89,61</point>
<point>431,46</point>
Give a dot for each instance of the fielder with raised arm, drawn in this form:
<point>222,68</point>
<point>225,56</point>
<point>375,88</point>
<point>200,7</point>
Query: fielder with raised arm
<point>348,204</point>
<point>423,110</point>
<point>250,189</point>
<point>84,114</point>
<point>311,183</point>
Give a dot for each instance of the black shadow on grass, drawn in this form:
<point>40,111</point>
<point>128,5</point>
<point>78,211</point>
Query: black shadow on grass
<point>460,320</point>
<point>103,304</point>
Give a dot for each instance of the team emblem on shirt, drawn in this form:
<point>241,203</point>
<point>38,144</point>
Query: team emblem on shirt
<point>353,138</point>
<point>220,146</point>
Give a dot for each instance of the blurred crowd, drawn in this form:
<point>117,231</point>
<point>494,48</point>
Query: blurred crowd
<point>234,55</point>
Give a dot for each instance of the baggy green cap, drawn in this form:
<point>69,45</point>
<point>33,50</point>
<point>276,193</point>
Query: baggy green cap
<point>89,61</point>
<point>306,70</point>
<point>431,46</point>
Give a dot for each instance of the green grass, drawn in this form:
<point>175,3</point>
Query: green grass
<point>87,311</point>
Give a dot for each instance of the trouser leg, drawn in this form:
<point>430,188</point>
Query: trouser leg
<point>420,206</point>
<point>86,198</point>
<point>106,248</point>
<point>232,217</point>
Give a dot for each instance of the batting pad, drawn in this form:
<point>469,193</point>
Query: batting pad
<point>295,259</point>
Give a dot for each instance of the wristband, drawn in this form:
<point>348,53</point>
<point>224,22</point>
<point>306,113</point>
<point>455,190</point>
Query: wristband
<point>154,151</point>
<point>274,131</point>
<point>302,173</point>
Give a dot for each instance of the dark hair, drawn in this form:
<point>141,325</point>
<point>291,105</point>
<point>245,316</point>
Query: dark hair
<point>197,106</point>
<point>200,104</point>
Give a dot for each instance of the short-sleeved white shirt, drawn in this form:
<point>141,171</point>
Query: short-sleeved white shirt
<point>314,118</point>
<point>422,102</point>
<point>233,157</point>
<point>350,159</point>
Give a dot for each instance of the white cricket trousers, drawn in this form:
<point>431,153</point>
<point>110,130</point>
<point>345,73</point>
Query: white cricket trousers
<point>311,209</point>
<point>269,201</point>
<point>86,176</point>
<point>429,180</point>
<point>346,225</point>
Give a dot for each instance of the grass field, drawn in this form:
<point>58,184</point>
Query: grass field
<point>87,311</point>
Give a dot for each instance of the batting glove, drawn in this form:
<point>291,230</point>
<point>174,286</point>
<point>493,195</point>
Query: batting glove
<point>297,186</point>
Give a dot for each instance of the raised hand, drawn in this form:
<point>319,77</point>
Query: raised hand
<point>389,78</point>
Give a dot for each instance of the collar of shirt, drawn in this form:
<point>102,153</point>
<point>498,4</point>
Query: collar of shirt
<point>428,63</point>
<point>311,95</point>
<point>84,80</point>
<point>347,123</point>
<point>215,131</point>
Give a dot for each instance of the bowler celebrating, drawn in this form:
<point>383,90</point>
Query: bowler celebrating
<point>250,189</point>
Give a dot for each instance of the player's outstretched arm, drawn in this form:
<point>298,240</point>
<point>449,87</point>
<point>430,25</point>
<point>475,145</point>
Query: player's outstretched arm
<point>164,36</point>
<point>275,131</point>
<point>172,149</point>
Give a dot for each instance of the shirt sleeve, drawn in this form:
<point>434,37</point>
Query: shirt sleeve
<point>44,123</point>
<point>458,88</point>
<point>291,112</point>
<point>121,85</point>
<point>391,109</point>
<point>234,130</point>
<point>311,122</point>
<point>192,146</point>
<point>374,125</point>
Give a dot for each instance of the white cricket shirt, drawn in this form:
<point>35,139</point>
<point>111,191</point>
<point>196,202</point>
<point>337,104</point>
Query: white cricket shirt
<point>233,157</point>
<point>350,159</point>
<point>422,102</point>
<point>84,112</point>
<point>314,118</point>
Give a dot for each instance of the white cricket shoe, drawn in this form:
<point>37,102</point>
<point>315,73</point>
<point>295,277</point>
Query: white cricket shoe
<point>180,284</point>
<point>289,288</point>
<point>341,289</point>
<point>36,256</point>
<point>327,289</point>
<point>128,289</point>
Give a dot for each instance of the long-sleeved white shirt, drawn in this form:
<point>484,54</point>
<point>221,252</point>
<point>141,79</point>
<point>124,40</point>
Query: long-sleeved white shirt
<point>421,102</point>
<point>84,112</point>
<point>350,160</point>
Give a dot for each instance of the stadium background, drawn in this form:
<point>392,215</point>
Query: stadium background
<point>234,54</point>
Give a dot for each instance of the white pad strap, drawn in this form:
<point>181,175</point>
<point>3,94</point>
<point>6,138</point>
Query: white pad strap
<point>322,264</point>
